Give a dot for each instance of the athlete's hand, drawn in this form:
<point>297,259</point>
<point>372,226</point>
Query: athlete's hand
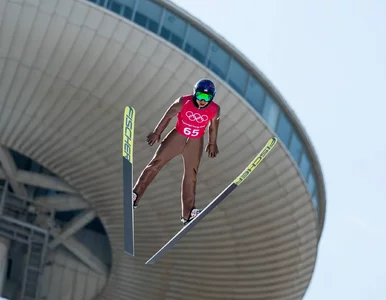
<point>212,150</point>
<point>153,137</point>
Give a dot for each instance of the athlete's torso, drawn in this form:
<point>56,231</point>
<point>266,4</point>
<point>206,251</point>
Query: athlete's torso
<point>191,121</point>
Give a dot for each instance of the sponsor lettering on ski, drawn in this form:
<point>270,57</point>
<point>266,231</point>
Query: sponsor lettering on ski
<point>128,134</point>
<point>271,143</point>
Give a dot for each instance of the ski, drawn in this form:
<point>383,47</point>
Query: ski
<point>127,160</point>
<point>241,178</point>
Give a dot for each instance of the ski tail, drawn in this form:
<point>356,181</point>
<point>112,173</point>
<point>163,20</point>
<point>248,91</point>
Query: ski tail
<point>212,205</point>
<point>127,161</point>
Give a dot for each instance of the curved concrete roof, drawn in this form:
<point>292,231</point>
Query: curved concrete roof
<point>67,69</point>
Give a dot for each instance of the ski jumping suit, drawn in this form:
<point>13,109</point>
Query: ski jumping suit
<point>186,138</point>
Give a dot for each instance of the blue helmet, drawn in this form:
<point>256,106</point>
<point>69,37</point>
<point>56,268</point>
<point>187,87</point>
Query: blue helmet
<point>205,90</point>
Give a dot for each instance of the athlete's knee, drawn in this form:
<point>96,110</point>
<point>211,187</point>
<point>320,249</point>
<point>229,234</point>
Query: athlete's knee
<point>155,164</point>
<point>190,174</point>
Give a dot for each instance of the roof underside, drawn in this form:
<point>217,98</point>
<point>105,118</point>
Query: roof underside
<point>67,70</point>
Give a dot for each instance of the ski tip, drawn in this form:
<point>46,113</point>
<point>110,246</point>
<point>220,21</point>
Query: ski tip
<point>272,142</point>
<point>128,133</point>
<point>257,160</point>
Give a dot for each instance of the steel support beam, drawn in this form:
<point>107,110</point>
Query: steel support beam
<point>72,227</point>
<point>61,202</point>
<point>85,255</point>
<point>43,181</point>
<point>10,170</point>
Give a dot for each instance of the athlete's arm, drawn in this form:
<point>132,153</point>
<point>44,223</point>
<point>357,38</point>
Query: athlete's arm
<point>171,112</point>
<point>212,148</point>
<point>213,128</point>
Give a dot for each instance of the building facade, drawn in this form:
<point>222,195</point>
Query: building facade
<point>67,70</point>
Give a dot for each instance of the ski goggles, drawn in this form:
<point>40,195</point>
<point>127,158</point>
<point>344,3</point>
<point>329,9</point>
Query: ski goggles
<point>204,96</point>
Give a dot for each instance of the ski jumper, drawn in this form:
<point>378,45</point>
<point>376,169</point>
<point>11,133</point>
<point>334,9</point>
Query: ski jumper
<point>186,138</point>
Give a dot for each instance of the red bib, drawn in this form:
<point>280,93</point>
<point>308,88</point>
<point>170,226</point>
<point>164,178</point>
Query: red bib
<point>191,121</point>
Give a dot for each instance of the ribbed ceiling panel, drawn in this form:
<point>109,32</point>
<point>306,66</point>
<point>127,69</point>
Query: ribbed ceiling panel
<point>67,69</point>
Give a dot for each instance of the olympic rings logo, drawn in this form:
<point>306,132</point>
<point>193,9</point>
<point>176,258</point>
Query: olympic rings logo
<point>196,117</point>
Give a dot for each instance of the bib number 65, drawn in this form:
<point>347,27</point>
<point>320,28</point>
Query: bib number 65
<point>191,132</point>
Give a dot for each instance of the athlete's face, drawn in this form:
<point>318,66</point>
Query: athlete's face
<point>202,99</point>
<point>201,103</point>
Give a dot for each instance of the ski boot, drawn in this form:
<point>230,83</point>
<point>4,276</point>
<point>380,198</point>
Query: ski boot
<point>134,199</point>
<point>193,213</point>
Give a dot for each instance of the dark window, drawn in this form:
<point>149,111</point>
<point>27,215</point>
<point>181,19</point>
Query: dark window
<point>148,15</point>
<point>255,94</point>
<point>237,76</point>
<point>128,8</point>
<point>271,111</point>
<point>197,44</point>
<point>295,147</point>
<point>218,60</point>
<point>116,6</point>
<point>304,165</point>
<point>284,129</point>
<point>99,2</point>
<point>311,182</point>
<point>9,268</point>
<point>315,201</point>
<point>173,29</point>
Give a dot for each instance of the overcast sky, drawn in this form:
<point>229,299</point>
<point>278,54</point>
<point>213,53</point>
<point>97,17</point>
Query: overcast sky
<point>328,59</point>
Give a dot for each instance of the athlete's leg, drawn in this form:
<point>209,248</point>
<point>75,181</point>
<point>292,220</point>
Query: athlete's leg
<point>170,146</point>
<point>192,156</point>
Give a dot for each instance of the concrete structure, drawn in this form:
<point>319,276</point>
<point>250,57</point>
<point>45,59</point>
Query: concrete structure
<point>4,247</point>
<point>67,70</point>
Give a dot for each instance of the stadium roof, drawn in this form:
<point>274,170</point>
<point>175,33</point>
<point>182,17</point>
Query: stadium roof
<point>68,69</point>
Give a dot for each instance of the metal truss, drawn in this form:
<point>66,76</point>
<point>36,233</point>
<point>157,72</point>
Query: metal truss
<point>30,221</point>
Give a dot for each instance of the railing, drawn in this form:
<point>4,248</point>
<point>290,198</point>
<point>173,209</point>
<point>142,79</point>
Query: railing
<point>17,218</point>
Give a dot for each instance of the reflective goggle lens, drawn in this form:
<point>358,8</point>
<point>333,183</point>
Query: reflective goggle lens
<point>203,96</point>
